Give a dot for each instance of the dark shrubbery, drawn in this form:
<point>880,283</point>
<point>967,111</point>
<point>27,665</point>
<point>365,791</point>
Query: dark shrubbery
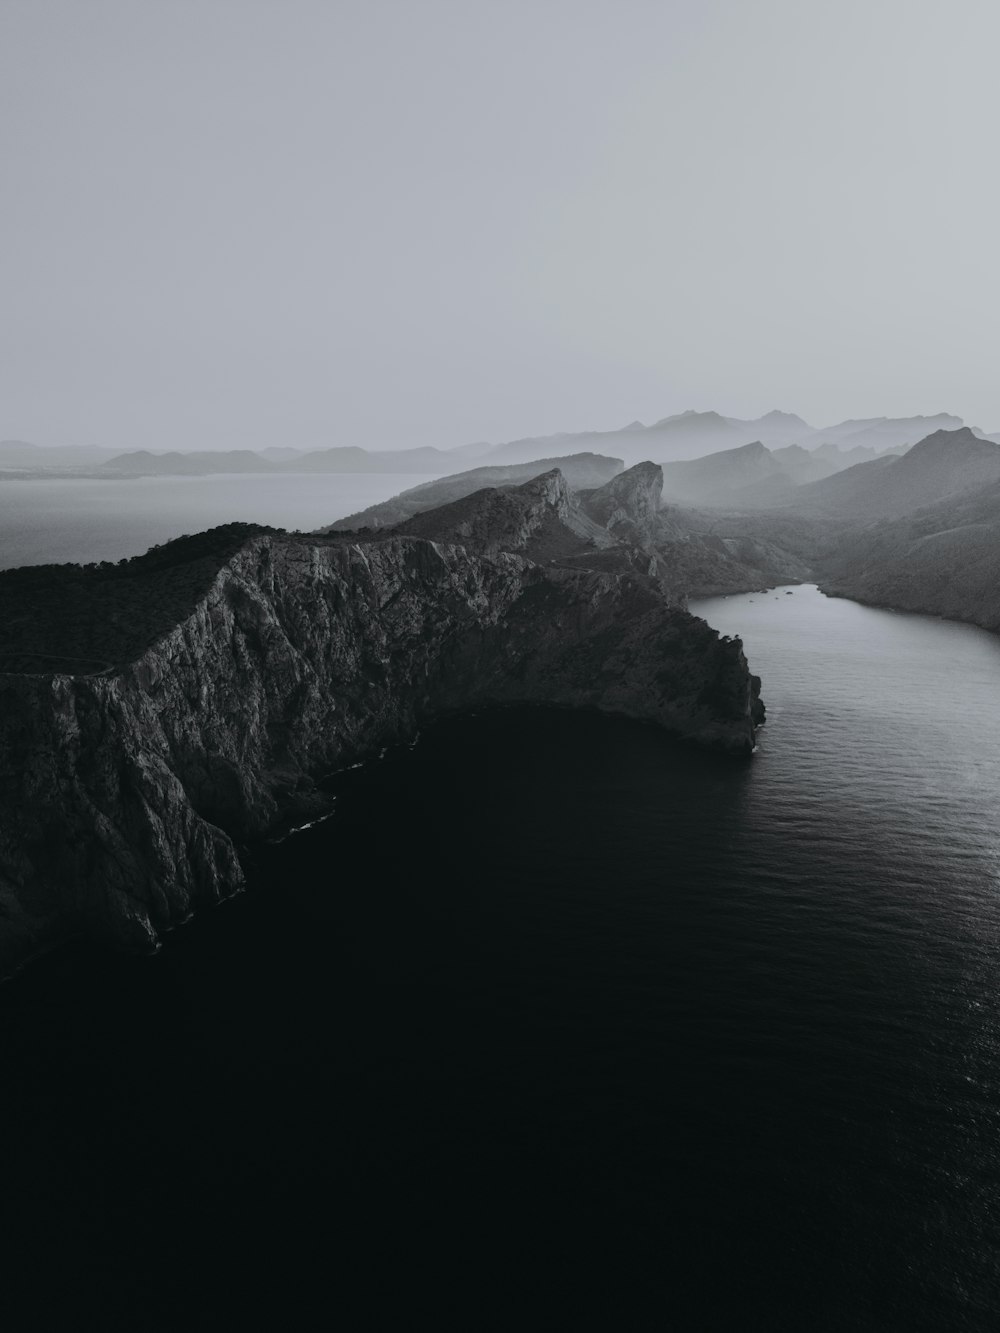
<point>86,618</point>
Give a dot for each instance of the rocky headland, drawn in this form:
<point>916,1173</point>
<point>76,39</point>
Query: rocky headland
<point>159,714</point>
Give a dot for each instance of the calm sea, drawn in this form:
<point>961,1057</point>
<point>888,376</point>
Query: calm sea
<point>556,1023</point>
<point>83,519</point>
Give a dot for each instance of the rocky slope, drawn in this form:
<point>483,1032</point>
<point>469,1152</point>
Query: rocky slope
<point>579,470</point>
<point>127,792</point>
<point>747,474</point>
<point>942,560</point>
<point>628,506</point>
<point>945,464</point>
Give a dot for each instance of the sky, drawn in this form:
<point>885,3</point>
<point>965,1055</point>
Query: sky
<point>390,223</point>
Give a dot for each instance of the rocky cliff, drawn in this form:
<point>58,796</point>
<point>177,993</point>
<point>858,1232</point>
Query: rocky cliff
<point>627,506</point>
<point>579,470</point>
<point>127,792</point>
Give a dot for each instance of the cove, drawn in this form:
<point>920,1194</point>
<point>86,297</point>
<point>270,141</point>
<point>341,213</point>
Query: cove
<point>556,1017</point>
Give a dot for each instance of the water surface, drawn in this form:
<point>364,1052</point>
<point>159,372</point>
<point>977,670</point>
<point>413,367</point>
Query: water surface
<point>83,519</point>
<point>556,1020</point>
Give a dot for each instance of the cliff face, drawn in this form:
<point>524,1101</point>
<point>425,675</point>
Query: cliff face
<point>628,505</point>
<point>127,792</point>
<point>579,470</point>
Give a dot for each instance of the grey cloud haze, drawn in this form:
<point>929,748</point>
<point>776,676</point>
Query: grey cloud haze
<point>233,224</point>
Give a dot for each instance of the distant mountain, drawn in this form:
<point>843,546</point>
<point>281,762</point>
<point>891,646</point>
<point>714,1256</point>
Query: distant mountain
<point>689,435</point>
<point>942,560</point>
<point>752,476</point>
<point>801,465</point>
<point>551,446</point>
<point>581,471</point>
<point>348,459</point>
<point>944,464</point>
<point>144,463</point>
<point>695,423</point>
<point>841,456</point>
<point>722,478</point>
<point>881,433</point>
<point>774,428</point>
<point>352,459</point>
<point>686,435</point>
<point>682,437</point>
<point>692,434</point>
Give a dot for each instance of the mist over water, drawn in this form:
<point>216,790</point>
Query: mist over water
<point>58,520</point>
<point>555,1016</point>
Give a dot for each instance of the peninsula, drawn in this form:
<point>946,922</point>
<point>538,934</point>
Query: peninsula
<point>159,713</point>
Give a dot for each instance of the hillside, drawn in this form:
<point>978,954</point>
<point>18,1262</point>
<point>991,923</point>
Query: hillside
<point>160,713</point>
<point>755,477</point>
<point>943,560</point>
<point>944,464</point>
<point>750,473</point>
<point>86,618</point>
<point>947,463</point>
<point>581,471</point>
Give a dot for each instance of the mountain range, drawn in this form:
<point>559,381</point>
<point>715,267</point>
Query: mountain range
<point>691,435</point>
<point>945,464</point>
<point>684,436</point>
<point>918,529</point>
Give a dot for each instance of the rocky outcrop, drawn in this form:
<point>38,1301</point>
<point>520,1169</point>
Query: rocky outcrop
<point>128,792</point>
<point>539,518</point>
<point>580,471</point>
<point>629,504</point>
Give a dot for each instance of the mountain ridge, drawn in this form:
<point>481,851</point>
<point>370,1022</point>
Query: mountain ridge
<point>287,656</point>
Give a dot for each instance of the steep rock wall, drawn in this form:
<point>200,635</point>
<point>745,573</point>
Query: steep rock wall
<point>125,795</point>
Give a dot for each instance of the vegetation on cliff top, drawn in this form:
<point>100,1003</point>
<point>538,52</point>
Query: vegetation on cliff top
<point>87,618</point>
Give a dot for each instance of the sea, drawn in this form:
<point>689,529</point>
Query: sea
<point>556,1022</point>
<point>80,519</point>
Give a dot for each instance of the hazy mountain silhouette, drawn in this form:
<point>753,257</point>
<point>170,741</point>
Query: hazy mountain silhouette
<point>724,477</point>
<point>682,437</point>
<point>686,436</point>
<point>881,433</point>
<point>143,463</point>
<point>347,459</point>
<point>775,428</point>
<point>753,476</point>
<point>582,471</point>
<point>801,465</point>
<point>944,464</point>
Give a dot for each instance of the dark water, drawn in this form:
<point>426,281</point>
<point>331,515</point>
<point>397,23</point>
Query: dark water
<point>555,1021</point>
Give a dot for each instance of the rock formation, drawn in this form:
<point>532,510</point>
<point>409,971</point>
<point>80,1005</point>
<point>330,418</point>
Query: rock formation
<point>628,505</point>
<point>127,791</point>
<point>579,470</point>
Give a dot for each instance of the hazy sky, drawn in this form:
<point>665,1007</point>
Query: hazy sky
<point>400,222</point>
